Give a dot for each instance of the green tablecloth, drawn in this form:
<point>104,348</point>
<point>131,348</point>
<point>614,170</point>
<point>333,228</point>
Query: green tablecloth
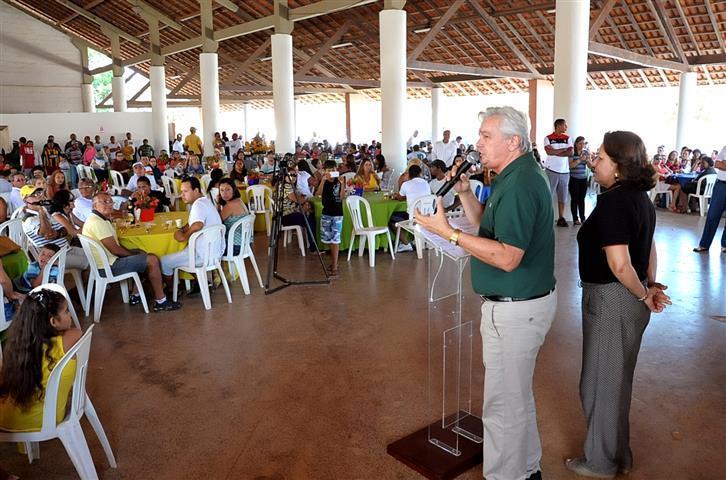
<point>381,208</point>
<point>15,264</point>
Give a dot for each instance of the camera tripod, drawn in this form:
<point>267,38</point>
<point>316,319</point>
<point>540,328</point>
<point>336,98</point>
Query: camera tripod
<point>280,178</point>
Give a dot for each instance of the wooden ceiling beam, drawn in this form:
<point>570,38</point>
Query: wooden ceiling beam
<point>492,23</point>
<point>88,6</point>
<point>478,71</point>
<point>666,28</point>
<point>632,57</point>
<point>638,30</point>
<point>325,48</point>
<point>600,18</point>
<point>518,10</point>
<point>714,24</point>
<point>98,21</point>
<point>187,78</point>
<point>150,10</point>
<point>435,29</point>
<point>684,20</point>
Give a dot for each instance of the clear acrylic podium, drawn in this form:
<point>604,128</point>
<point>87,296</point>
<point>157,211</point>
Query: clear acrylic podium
<point>452,443</point>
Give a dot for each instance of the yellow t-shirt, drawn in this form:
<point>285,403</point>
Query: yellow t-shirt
<point>372,182</point>
<point>97,228</point>
<point>15,419</point>
<point>193,143</point>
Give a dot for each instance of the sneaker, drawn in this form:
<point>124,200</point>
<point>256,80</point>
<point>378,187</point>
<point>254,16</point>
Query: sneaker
<point>579,467</point>
<point>561,222</point>
<point>134,299</point>
<point>166,306</point>
<point>404,247</point>
<point>700,249</point>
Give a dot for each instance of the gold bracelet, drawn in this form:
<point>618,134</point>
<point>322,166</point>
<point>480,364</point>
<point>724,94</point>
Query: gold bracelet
<point>454,238</point>
<point>642,299</point>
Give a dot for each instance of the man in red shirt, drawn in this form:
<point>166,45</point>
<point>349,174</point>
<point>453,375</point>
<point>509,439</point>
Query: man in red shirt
<point>27,155</point>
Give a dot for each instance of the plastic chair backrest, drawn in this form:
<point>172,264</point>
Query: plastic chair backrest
<point>14,230</point>
<point>18,211</point>
<point>169,172</point>
<point>354,204</point>
<point>348,176</point>
<point>117,179</point>
<point>710,184</point>
<point>90,173</point>
<point>6,196</point>
<point>213,195</point>
<point>81,171</point>
<point>425,205</point>
<point>257,194</point>
<point>60,289</point>
<point>81,351</point>
<point>169,185</point>
<point>94,251</point>
<point>205,181</point>
<point>60,259</point>
<point>206,242</point>
<point>246,225</point>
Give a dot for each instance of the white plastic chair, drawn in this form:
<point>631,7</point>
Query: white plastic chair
<point>368,233</point>
<point>425,205</point>
<point>207,241</point>
<point>13,229</point>
<point>702,198</point>
<point>89,173</point>
<point>81,169</point>
<point>170,190</point>
<point>117,179</point>
<point>213,195</point>
<point>348,176</point>
<point>60,259</point>
<point>287,237</point>
<point>169,172</point>
<point>205,181</point>
<point>246,225</point>
<point>387,179</point>
<point>661,188</point>
<point>69,430</point>
<point>94,250</point>
<point>17,213</point>
<point>259,203</point>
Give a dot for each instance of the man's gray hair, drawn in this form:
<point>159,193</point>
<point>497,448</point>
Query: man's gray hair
<point>513,122</point>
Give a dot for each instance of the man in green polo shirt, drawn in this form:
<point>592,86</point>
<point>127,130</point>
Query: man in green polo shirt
<point>513,271</point>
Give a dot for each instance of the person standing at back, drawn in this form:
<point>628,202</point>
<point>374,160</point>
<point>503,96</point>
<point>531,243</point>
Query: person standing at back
<point>192,143</point>
<point>512,269</point>
<point>558,147</point>
<point>716,208</point>
<point>445,149</point>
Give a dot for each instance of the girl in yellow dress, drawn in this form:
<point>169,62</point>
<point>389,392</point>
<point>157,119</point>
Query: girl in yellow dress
<point>38,338</point>
<point>367,176</point>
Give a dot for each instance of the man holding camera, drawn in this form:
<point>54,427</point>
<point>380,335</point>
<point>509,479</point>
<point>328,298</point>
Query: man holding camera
<point>512,269</point>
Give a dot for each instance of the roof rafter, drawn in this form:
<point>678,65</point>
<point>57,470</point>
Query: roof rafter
<point>435,29</point>
<point>633,57</point>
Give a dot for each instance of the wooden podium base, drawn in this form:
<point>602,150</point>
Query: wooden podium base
<point>416,452</point>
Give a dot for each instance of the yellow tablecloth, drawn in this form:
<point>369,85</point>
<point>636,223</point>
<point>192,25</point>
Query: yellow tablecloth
<point>159,241</point>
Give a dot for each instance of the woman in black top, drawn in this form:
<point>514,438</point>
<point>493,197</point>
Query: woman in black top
<point>239,171</point>
<point>617,260</point>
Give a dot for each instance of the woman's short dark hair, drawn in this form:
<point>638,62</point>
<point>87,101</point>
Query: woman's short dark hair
<point>414,171</point>
<point>61,199</point>
<point>380,161</point>
<point>233,186</point>
<point>707,159</point>
<point>627,150</point>
<point>304,166</point>
<point>143,179</point>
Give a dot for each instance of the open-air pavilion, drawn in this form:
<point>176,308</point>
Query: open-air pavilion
<point>314,382</point>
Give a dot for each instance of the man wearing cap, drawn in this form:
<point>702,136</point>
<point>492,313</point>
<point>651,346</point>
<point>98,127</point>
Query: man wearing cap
<point>139,171</point>
<point>192,143</point>
<point>42,230</point>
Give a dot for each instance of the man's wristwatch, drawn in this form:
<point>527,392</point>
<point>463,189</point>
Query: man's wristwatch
<point>454,238</point>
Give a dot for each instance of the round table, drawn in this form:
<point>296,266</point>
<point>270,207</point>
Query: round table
<point>684,178</point>
<point>159,240</point>
<point>381,209</point>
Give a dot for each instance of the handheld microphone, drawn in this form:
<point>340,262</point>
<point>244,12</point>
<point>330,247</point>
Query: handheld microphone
<point>472,158</point>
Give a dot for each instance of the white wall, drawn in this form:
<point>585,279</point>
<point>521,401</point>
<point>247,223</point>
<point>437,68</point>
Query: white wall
<point>37,126</point>
<point>39,67</point>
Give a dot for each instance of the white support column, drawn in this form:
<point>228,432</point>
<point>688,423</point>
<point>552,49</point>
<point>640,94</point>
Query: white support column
<point>283,93</point>
<point>436,93</point>
<point>572,22</point>
<point>118,89</point>
<point>160,129</point>
<point>688,82</point>
<point>393,87</point>
<point>209,79</point>
<point>540,110</point>
<point>89,106</point>
<point>246,131</point>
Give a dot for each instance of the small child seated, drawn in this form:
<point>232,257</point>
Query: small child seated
<point>33,276</point>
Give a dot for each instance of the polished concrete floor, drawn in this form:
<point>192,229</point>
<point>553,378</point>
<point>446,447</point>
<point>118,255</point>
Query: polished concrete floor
<point>314,382</point>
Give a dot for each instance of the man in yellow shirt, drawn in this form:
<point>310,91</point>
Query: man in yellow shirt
<point>193,143</point>
<point>98,227</point>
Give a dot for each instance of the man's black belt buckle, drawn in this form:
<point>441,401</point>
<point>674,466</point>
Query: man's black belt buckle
<point>499,298</point>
